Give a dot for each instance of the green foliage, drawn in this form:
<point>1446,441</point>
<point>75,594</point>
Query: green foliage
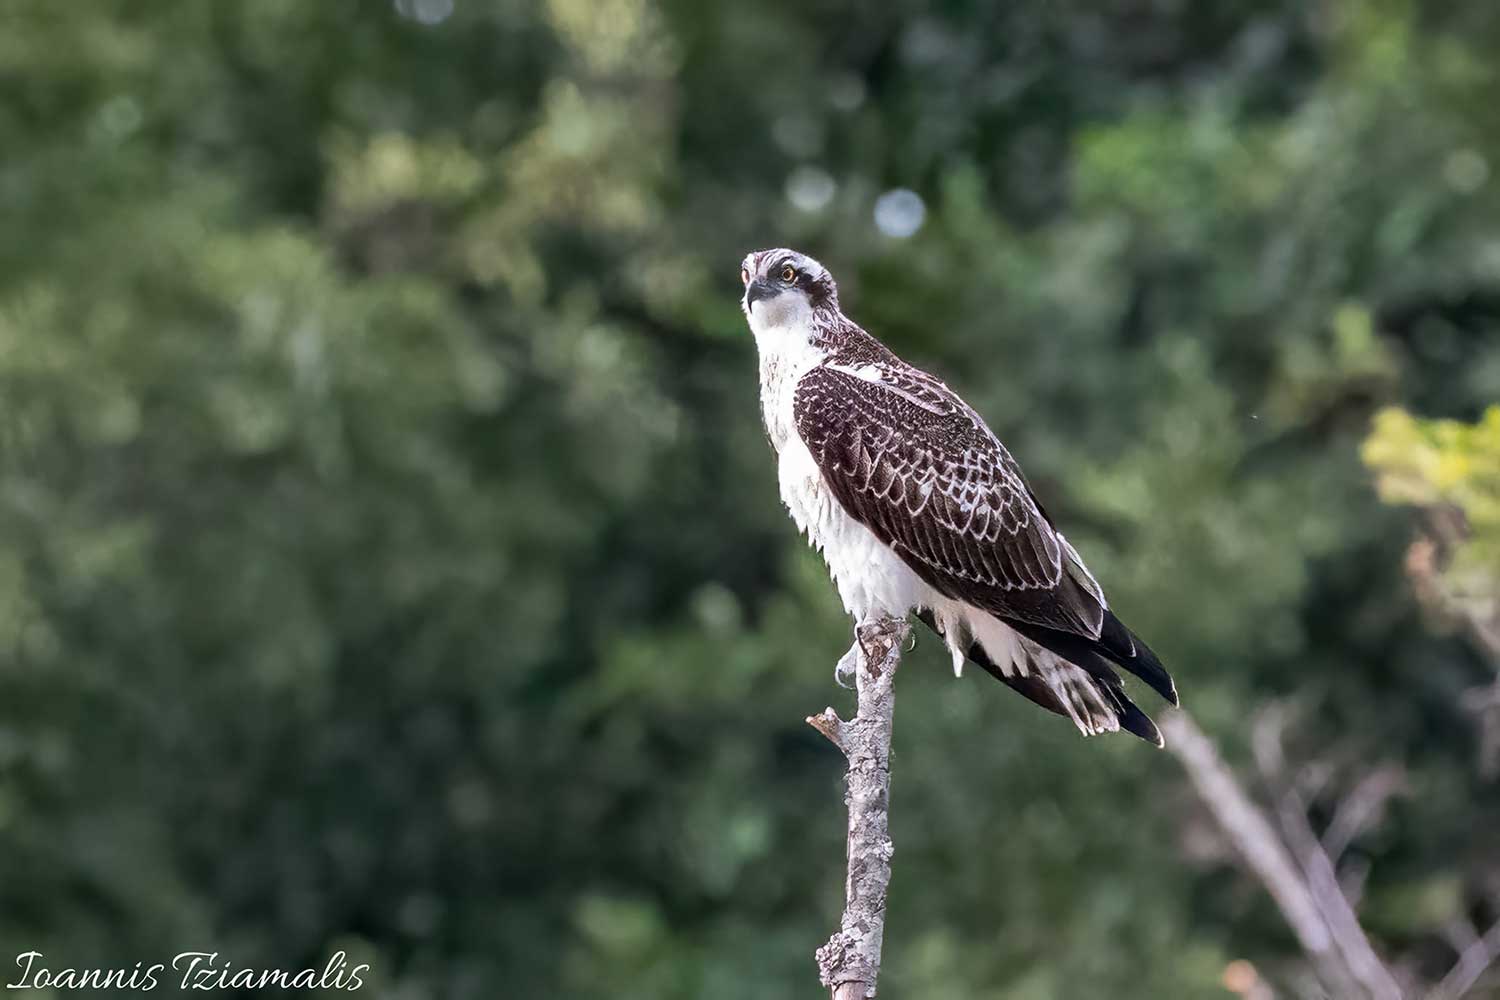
<point>1432,463</point>
<point>390,556</point>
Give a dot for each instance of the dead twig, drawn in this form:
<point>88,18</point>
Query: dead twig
<point>849,964</point>
<point>1302,885</point>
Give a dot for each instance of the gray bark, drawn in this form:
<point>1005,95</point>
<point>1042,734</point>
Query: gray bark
<point>849,964</point>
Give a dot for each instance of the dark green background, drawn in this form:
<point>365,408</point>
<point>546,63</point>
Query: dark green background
<point>390,555</point>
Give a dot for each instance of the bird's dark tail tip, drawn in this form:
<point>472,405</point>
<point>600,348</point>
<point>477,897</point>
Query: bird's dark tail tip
<point>1131,653</point>
<point>1091,694</point>
<point>1133,720</point>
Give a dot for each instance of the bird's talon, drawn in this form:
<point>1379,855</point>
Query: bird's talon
<point>845,671</point>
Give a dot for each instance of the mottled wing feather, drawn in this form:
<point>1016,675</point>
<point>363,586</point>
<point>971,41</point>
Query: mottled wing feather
<point>911,461</point>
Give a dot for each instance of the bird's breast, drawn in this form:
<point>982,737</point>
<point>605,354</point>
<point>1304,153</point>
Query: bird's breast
<point>786,354</point>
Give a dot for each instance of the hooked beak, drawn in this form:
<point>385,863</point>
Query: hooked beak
<point>756,291</point>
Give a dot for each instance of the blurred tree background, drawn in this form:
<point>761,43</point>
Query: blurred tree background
<point>391,559</point>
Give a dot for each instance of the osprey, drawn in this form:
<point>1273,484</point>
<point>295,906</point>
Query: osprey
<point>916,505</point>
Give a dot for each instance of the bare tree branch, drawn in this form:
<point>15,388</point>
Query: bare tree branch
<point>1255,840</point>
<point>1484,703</point>
<point>1302,882</point>
<point>1322,879</point>
<point>1319,870</point>
<point>1280,846</point>
<point>849,964</point>
<point>1363,808</point>
<point>1473,961</point>
<point>1353,874</point>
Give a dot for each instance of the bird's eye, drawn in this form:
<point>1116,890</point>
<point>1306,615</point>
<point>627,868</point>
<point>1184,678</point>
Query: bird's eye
<point>789,274</point>
<point>744,276</point>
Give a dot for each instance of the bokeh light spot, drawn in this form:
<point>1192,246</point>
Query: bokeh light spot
<point>1466,170</point>
<point>810,189</point>
<point>899,213</point>
<point>425,11</point>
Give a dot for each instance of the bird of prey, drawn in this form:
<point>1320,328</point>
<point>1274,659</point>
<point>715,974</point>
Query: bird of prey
<point>917,506</point>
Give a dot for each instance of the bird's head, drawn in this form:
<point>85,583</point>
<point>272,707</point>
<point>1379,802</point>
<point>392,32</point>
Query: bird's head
<point>784,288</point>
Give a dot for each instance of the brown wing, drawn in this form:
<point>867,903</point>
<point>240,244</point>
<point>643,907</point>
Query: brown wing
<point>912,462</point>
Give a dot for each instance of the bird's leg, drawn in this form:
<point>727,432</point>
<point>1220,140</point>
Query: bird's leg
<point>844,671</point>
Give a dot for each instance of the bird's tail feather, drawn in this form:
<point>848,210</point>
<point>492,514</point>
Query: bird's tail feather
<point>1091,695</point>
<point>1126,648</point>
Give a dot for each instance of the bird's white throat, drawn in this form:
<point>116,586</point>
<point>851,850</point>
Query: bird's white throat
<point>784,339</point>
